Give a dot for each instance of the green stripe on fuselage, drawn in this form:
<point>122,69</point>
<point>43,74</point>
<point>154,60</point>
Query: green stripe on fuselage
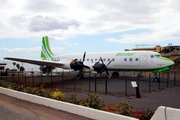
<point>164,58</point>
<point>125,54</point>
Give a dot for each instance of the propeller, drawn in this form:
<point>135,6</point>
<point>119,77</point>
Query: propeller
<point>101,67</point>
<point>79,65</point>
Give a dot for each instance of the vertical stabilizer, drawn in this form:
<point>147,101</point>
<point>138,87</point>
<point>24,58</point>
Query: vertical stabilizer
<point>46,53</point>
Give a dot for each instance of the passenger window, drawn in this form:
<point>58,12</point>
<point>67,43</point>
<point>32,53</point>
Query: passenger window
<point>125,59</point>
<point>113,59</point>
<point>152,56</point>
<point>104,59</point>
<point>108,59</point>
<point>137,59</point>
<point>95,59</point>
<point>87,59</point>
<point>130,59</point>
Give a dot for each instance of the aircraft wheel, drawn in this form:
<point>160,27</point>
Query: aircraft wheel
<point>156,79</point>
<point>115,74</point>
<point>79,77</point>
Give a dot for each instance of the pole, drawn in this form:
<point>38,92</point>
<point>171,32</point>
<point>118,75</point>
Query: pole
<point>33,78</point>
<point>126,86</point>
<point>138,80</point>
<point>106,85</point>
<point>18,77</point>
<point>159,81</point>
<point>95,82</point>
<point>75,76</point>
<point>25,77</point>
<point>174,78</point>
<point>89,82</point>
<point>51,79</point>
<point>149,83</point>
<point>168,79</point>
<point>62,80</point>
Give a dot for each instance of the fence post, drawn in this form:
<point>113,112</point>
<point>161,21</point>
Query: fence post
<point>159,81</point>
<point>138,80</point>
<point>41,77</point>
<point>51,79</point>
<point>95,83</point>
<point>25,77</point>
<point>126,86</point>
<point>174,78</point>
<point>149,82</point>
<point>89,82</point>
<point>106,85</point>
<point>33,79</point>
<point>62,79</point>
<point>168,79</point>
<point>18,77</point>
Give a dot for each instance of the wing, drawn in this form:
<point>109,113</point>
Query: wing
<point>36,61</point>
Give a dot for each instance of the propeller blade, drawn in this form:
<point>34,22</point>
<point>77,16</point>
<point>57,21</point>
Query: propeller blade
<point>109,62</point>
<point>84,56</point>
<point>87,67</point>
<point>107,72</point>
<point>73,61</point>
<point>101,60</point>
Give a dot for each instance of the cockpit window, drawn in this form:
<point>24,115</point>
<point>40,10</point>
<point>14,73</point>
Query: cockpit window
<point>152,56</point>
<point>157,55</point>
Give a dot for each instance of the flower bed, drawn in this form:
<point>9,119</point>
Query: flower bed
<point>92,100</point>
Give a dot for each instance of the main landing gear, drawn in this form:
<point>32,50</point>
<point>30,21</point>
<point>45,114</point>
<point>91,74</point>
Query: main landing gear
<point>156,79</point>
<point>115,74</point>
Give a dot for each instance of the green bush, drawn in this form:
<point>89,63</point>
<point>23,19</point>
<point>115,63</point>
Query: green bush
<point>73,99</point>
<point>92,100</point>
<point>124,108</point>
<point>15,87</point>
<point>148,114</point>
<point>31,90</point>
<point>57,95</point>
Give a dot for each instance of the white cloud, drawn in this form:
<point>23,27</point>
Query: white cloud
<point>64,19</point>
<point>26,50</point>
<point>69,44</point>
<point>40,23</point>
<point>19,50</point>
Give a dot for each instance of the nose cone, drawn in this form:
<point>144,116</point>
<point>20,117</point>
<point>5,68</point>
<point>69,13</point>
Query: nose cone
<point>168,61</point>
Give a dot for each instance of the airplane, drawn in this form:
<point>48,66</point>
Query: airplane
<point>93,62</point>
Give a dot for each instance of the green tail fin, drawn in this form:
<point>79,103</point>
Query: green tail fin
<point>46,53</point>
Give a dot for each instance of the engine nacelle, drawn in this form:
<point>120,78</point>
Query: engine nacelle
<point>99,67</point>
<point>76,65</point>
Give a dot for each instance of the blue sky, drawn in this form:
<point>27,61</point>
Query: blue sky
<point>83,25</point>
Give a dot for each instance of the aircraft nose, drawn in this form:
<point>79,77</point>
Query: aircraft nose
<point>171,62</point>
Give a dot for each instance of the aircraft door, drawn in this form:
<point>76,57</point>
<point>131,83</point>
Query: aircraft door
<point>143,60</point>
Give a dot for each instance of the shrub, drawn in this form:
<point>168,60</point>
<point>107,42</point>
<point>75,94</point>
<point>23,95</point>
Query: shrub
<point>93,101</point>
<point>125,108</point>
<point>58,95</point>
<point>73,99</point>
<point>31,90</point>
<point>148,114</point>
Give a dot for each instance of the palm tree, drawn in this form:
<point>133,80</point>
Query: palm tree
<point>18,66</point>
<point>14,63</point>
<point>22,68</point>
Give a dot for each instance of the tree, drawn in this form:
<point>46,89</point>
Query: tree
<point>14,63</point>
<point>22,69</point>
<point>46,69</point>
<point>18,66</point>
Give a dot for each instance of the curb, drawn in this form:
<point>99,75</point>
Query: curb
<point>68,107</point>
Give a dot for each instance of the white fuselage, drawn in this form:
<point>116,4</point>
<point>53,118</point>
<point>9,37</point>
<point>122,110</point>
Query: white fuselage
<point>125,60</point>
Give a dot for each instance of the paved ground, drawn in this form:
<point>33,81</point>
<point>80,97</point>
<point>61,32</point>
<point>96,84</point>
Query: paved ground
<point>153,94</point>
<point>15,109</point>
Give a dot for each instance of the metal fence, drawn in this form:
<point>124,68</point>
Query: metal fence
<point>119,86</point>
